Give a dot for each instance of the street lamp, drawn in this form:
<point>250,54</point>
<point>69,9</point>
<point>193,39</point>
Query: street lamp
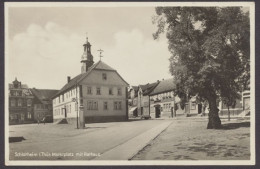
<point>76,101</point>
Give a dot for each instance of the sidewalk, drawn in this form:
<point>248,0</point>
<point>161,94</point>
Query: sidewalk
<point>130,148</point>
<point>190,140</point>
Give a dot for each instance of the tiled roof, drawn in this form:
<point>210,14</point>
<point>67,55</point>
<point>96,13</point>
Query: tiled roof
<point>44,95</point>
<point>98,66</point>
<point>148,88</point>
<point>163,86</point>
<point>101,65</point>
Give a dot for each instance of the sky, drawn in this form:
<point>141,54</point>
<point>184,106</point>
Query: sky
<point>45,44</point>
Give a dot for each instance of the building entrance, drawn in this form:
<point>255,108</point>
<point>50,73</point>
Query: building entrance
<point>157,111</point>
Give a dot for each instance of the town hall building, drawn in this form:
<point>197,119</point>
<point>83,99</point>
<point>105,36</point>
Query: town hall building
<point>98,94</point>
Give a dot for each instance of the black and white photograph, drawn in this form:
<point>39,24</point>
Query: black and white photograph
<point>129,83</point>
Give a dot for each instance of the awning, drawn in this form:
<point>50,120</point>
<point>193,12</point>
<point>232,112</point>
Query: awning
<point>133,109</point>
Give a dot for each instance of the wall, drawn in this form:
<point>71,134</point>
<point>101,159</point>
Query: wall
<point>114,82</point>
<point>70,106</point>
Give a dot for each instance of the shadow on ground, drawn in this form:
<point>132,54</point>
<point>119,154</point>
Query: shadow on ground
<point>93,127</point>
<point>231,126</point>
<point>15,139</point>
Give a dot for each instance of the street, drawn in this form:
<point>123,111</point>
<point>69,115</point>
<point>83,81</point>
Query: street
<point>64,142</point>
<point>160,139</point>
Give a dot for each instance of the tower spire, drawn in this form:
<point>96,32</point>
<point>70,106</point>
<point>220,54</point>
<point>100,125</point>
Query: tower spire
<point>87,58</point>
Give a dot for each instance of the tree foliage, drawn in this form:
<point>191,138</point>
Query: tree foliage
<point>210,49</point>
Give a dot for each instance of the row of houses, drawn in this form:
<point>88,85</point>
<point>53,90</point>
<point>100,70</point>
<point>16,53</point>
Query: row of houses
<point>100,94</point>
<point>157,100</point>
<point>29,105</point>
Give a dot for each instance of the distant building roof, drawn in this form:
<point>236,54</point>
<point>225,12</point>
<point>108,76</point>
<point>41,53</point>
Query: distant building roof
<point>97,66</point>
<point>163,86</point>
<point>148,88</point>
<point>44,95</point>
<point>135,88</point>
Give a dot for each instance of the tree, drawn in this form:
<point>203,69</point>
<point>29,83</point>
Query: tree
<point>210,49</point>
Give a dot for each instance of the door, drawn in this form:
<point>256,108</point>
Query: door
<point>65,112</point>
<point>199,108</point>
<point>157,112</point>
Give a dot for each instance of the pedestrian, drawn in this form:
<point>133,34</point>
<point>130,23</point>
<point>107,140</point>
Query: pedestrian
<point>172,112</point>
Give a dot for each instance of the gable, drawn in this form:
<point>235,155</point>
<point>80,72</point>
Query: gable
<point>96,77</point>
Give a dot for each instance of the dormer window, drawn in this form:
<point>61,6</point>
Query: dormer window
<point>104,76</point>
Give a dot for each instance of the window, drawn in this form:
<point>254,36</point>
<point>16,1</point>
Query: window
<point>29,102</point>
<point>110,91</point>
<point>119,91</point>
<point>12,103</point>
<point>62,98</point>
<point>98,91</point>
<point>193,106</point>
<point>19,102</point>
<point>104,76</point>
<point>29,115</point>
<point>92,105</point>
<point>105,106</point>
<point>117,105</point>
<point>16,93</point>
<point>89,90</point>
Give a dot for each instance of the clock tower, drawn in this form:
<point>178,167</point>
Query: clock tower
<point>87,58</point>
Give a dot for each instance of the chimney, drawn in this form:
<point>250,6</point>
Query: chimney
<point>68,79</point>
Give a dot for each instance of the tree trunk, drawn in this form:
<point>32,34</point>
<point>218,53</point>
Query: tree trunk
<point>214,120</point>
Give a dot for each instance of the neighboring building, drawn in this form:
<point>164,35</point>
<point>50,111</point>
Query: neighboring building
<point>43,104</point>
<point>162,102</point>
<point>143,102</point>
<point>242,106</point>
<point>20,103</point>
<point>132,101</point>
<point>132,96</point>
<point>99,90</point>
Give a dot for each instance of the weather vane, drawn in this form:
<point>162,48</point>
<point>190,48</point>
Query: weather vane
<point>100,52</point>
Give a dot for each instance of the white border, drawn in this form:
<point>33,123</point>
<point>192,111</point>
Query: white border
<point>251,5</point>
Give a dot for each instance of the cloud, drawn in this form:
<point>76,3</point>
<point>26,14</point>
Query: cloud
<point>138,59</point>
<point>43,56</point>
